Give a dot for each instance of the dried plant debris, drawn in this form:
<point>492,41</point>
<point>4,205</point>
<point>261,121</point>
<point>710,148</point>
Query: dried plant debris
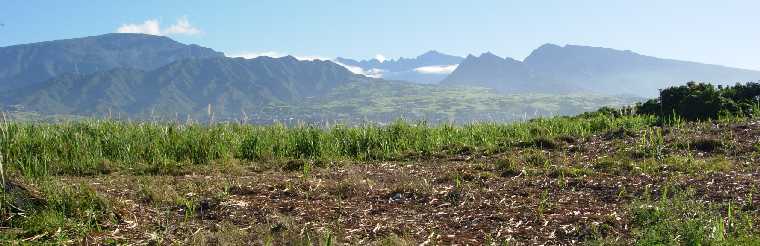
<point>624,186</point>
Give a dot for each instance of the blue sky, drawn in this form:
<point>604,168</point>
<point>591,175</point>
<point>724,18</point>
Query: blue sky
<point>720,32</point>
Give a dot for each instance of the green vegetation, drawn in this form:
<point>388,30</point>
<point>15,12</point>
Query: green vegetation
<point>606,177</point>
<point>680,219</point>
<point>101,147</point>
<point>352,104</point>
<point>384,101</point>
<point>59,212</point>
<point>677,216</point>
<point>41,151</point>
<point>700,101</point>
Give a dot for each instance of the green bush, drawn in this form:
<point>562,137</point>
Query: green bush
<point>701,101</point>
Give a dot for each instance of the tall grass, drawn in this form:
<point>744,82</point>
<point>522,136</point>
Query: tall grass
<point>53,210</point>
<point>680,218</point>
<point>96,146</point>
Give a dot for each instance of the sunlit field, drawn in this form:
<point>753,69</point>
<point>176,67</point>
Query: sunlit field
<point>597,178</point>
<point>425,122</point>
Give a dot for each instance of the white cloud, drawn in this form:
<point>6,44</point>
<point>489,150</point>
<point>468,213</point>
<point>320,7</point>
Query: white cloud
<point>353,69</point>
<point>182,27</point>
<point>153,27</point>
<point>373,73</point>
<point>380,57</point>
<point>446,69</point>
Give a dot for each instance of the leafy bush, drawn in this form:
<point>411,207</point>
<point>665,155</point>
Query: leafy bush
<point>701,101</point>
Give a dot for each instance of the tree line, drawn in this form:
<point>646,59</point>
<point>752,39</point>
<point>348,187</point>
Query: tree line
<point>695,101</point>
<point>703,101</point>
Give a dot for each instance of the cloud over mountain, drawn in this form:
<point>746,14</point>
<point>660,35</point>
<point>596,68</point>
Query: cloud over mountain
<point>428,68</point>
<point>153,27</point>
<point>447,69</point>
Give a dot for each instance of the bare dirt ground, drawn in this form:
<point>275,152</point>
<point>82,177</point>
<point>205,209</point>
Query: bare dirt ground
<point>556,196</point>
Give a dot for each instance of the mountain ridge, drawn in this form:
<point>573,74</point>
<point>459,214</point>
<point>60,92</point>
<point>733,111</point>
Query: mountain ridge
<point>502,74</point>
<point>25,64</point>
<point>142,74</point>
<point>592,69</point>
<point>190,85</point>
<point>409,69</point>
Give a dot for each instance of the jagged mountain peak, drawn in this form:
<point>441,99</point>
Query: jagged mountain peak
<point>429,67</point>
<point>489,55</point>
<point>433,54</point>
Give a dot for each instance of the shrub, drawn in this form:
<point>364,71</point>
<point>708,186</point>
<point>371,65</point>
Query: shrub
<point>701,101</point>
<point>542,143</point>
<point>295,165</point>
<point>537,159</point>
<point>707,144</point>
<point>508,166</point>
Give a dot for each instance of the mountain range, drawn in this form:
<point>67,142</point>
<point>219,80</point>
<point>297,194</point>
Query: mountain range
<point>503,74</point>
<point>428,68</point>
<point>27,64</point>
<point>562,69</point>
<point>230,85</point>
<point>144,76</point>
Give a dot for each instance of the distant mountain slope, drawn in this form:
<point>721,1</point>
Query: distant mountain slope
<point>427,68</point>
<point>555,69</point>
<point>230,85</point>
<point>503,74</point>
<point>26,64</point>
<point>265,90</point>
<point>615,71</point>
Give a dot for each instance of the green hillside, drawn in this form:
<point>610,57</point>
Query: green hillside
<point>29,64</point>
<point>387,100</point>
